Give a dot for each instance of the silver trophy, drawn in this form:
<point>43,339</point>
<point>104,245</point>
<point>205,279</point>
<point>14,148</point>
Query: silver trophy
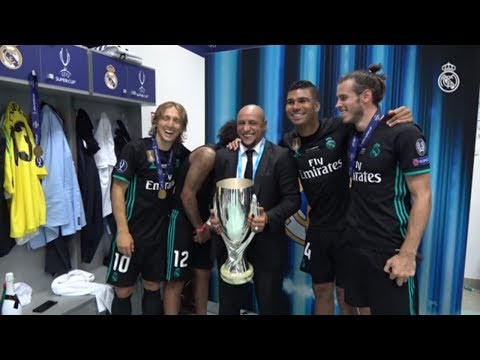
<point>234,201</point>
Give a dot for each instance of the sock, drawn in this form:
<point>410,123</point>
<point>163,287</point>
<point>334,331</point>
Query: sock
<point>121,306</point>
<point>152,303</point>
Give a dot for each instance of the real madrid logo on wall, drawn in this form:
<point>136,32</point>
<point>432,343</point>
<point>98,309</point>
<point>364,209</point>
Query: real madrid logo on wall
<point>448,81</point>
<point>11,57</point>
<point>111,79</point>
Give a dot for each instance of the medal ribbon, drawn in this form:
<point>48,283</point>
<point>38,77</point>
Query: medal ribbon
<point>36,121</point>
<point>240,170</point>
<point>358,142</point>
<point>160,174</point>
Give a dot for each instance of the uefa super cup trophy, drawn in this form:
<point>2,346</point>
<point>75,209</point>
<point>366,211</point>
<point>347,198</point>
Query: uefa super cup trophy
<point>234,201</point>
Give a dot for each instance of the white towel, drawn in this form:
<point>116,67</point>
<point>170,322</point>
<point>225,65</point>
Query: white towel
<point>79,282</point>
<point>23,292</point>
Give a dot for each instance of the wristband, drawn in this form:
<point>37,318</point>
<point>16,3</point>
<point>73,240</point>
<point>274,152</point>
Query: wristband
<point>201,228</point>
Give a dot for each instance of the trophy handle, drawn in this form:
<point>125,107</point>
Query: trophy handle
<point>215,210</point>
<point>254,206</point>
<point>231,250</point>
<point>242,247</point>
<point>253,211</point>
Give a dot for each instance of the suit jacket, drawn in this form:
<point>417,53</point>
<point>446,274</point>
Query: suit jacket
<point>277,190</point>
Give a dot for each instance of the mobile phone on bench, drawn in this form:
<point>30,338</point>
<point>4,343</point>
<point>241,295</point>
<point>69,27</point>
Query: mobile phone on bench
<point>44,307</point>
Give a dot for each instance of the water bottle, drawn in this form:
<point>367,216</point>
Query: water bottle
<point>11,305</point>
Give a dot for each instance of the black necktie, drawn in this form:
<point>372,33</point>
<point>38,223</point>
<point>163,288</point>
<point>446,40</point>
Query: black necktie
<point>249,168</point>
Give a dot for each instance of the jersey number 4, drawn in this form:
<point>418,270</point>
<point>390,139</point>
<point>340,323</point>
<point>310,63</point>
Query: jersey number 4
<point>307,252</point>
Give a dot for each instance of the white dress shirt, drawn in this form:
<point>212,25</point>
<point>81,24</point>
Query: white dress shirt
<point>243,152</point>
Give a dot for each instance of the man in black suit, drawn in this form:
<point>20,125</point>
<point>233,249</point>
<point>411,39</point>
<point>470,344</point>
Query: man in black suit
<point>276,186</point>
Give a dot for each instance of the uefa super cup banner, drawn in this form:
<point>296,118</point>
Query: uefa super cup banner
<point>234,202</point>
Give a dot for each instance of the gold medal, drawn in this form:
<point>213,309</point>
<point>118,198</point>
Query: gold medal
<point>38,151</point>
<point>150,156</point>
<point>296,143</point>
<point>162,194</point>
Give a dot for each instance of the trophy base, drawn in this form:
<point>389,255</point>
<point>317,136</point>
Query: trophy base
<point>236,278</point>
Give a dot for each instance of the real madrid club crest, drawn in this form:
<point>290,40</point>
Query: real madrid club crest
<point>11,57</point>
<point>448,81</point>
<point>111,79</point>
<point>330,143</point>
<point>375,151</point>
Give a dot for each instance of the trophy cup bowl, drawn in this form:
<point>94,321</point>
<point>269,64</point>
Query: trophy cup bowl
<point>234,201</point>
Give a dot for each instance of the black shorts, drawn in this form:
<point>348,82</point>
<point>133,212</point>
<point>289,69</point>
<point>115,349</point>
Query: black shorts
<point>148,261</point>
<point>322,256</point>
<point>368,285</point>
<point>202,255</point>
<point>182,252</point>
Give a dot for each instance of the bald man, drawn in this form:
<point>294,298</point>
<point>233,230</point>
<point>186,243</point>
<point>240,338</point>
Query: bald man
<point>274,173</point>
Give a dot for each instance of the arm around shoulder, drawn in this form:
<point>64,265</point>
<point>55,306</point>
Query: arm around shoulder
<point>202,162</point>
